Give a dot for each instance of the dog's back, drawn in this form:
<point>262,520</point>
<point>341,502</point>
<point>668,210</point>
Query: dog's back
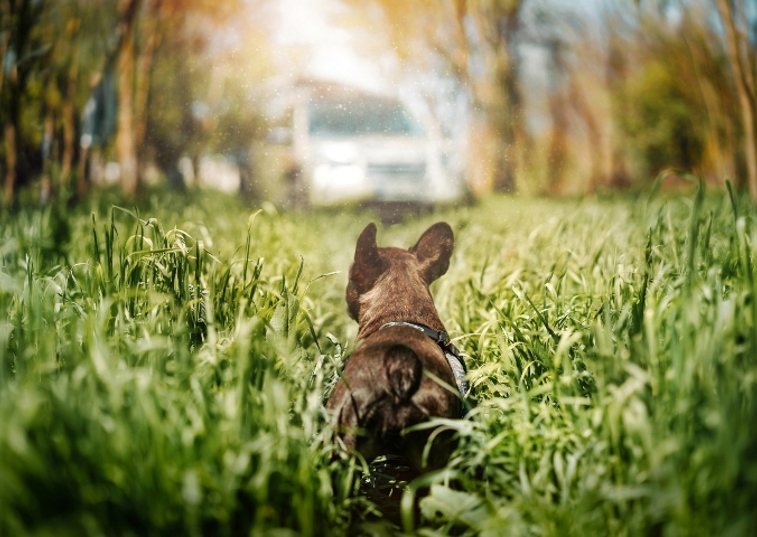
<point>398,377</point>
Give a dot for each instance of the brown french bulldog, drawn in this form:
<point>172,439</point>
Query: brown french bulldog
<point>404,370</point>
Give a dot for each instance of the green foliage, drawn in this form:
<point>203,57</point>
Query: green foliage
<point>616,375</point>
<point>149,386</point>
<point>661,121</point>
<point>166,373</point>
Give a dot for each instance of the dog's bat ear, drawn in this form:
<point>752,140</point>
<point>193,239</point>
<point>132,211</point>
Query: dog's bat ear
<point>368,265</point>
<point>434,250</point>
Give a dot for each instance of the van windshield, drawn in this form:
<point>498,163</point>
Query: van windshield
<point>360,117</point>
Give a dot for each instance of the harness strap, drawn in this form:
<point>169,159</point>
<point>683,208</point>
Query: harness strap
<point>451,353</point>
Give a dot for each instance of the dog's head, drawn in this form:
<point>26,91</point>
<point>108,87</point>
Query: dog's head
<point>395,272</point>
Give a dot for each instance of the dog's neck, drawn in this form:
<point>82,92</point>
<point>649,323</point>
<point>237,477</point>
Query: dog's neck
<point>396,299</point>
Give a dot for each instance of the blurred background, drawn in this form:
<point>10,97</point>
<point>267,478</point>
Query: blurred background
<point>314,102</point>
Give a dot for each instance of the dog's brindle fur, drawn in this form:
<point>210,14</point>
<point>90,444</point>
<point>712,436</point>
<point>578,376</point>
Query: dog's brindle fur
<point>389,381</point>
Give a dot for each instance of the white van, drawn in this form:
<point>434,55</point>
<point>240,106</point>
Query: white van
<point>352,146</point>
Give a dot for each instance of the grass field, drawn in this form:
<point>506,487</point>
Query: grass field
<point>164,373</point>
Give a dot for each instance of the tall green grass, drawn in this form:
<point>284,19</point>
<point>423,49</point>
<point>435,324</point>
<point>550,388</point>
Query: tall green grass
<point>163,371</point>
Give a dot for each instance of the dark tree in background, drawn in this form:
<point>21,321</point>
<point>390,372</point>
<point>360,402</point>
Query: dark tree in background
<point>80,81</point>
<point>740,46</point>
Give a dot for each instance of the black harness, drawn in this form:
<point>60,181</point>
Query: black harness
<point>451,353</point>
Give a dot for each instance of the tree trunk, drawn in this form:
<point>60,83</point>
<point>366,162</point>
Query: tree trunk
<point>125,142</point>
<point>3,47</point>
<point>11,131</point>
<point>497,95</point>
<point>10,163</point>
<point>144,70</point>
<point>81,176</point>
<point>511,124</point>
<point>504,166</point>
<point>69,122</point>
<point>514,131</point>
<point>557,152</point>
<point>17,39</point>
<point>745,90</point>
<point>577,99</point>
<point>502,111</point>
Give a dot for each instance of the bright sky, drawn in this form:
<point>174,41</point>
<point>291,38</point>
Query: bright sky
<point>327,50</point>
<point>330,52</point>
